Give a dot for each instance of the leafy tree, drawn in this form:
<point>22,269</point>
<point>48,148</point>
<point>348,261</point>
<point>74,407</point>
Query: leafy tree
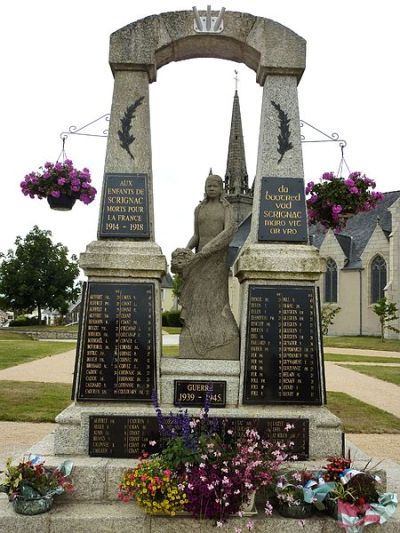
<point>386,311</point>
<point>177,285</point>
<point>38,274</point>
<point>328,313</point>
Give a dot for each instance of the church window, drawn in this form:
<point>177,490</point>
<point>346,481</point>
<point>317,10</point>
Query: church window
<point>378,278</point>
<point>331,281</point>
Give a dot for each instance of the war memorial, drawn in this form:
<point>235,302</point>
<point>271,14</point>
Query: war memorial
<point>264,373</point>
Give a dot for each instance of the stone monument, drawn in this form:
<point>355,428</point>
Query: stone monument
<point>279,377</point>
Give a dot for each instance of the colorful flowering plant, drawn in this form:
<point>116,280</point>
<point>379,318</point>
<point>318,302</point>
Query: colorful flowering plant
<point>333,198</point>
<point>57,179</point>
<point>31,479</point>
<point>154,486</point>
<point>357,495</point>
<point>215,469</point>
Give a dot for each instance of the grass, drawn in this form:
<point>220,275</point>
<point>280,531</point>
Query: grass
<point>171,330</point>
<point>24,401</point>
<point>170,351</point>
<point>388,373</point>
<point>344,358</point>
<point>363,343</point>
<point>360,417</point>
<point>22,349</point>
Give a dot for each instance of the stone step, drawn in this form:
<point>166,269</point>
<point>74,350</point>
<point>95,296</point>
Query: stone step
<point>129,518</point>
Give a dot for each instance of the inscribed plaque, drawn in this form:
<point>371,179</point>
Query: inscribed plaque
<point>125,209</point>
<point>282,215</point>
<point>283,361</point>
<point>117,359</point>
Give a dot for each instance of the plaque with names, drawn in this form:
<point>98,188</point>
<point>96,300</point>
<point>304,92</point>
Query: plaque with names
<point>130,436</point>
<point>125,207</point>
<point>283,360</point>
<point>117,359</point>
<point>282,215</point>
<point>123,436</point>
<point>193,393</point>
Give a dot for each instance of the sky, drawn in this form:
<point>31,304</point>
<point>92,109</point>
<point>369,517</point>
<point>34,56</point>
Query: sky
<point>55,74</point>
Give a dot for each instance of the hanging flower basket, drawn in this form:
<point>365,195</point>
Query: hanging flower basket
<point>61,184</point>
<point>61,203</point>
<point>334,199</point>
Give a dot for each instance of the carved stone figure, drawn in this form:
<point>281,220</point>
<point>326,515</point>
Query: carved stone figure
<point>210,330</point>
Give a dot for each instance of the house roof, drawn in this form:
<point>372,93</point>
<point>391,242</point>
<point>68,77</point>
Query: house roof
<point>359,229</point>
<point>353,239</point>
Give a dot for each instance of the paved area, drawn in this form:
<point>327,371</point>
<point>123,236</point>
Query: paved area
<point>54,369</point>
<point>355,351</point>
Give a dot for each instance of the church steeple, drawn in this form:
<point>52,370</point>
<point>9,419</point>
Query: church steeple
<point>237,190</point>
<point>236,178</point>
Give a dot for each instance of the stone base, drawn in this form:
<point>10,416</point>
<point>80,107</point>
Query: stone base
<point>72,432</point>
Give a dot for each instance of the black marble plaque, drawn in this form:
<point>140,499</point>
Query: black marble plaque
<point>282,215</point>
<point>123,436</point>
<point>283,361</point>
<point>117,357</point>
<point>131,436</point>
<point>193,393</point>
<point>125,207</point>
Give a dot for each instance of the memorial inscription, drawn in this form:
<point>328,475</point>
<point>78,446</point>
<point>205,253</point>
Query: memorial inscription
<point>124,212</point>
<point>283,361</point>
<point>117,359</point>
<point>193,393</point>
<point>130,436</point>
<point>282,215</point>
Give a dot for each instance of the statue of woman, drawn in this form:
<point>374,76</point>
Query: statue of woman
<point>210,330</point>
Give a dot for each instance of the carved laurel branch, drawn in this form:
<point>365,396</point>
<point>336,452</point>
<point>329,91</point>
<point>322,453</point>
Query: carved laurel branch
<point>284,143</point>
<point>125,136</point>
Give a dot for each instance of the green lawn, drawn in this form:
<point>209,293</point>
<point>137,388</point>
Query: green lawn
<point>22,349</point>
<point>171,330</point>
<point>363,343</point>
<point>170,351</point>
<point>25,401</point>
<point>359,417</point>
<point>340,357</point>
<point>386,373</point>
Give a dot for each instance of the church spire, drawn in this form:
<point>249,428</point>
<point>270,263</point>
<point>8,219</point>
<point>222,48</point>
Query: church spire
<point>236,178</point>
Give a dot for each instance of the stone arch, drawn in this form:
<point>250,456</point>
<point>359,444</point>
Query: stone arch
<point>264,45</point>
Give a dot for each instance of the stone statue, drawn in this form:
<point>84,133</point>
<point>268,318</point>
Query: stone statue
<point>210,330</point>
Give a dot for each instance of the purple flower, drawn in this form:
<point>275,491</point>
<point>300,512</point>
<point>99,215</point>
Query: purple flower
<point>328,176</point>
<point>354,190</point>
<point>58,167</point>
<point>55,194</point>
<point>349,182</point>
<point>309,187</point>
<point>61,181</point>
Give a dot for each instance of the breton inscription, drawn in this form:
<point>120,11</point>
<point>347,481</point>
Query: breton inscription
<point>124,211</point>
<point>193,393</point>
<point>282,215</point>
<point>117,359</point>
<point>283,357</point>
<point>130,437</point>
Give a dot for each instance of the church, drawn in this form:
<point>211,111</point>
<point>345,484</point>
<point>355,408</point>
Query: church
<point>362,262</point>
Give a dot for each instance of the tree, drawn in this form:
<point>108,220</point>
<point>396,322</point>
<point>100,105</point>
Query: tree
<point>386,311</point>
<point>177,285</point>
<point>328,313</point>
<point>38,275</point>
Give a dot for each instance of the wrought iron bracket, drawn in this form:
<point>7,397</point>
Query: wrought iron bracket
<point>75,130</point>
<point>333,137</point>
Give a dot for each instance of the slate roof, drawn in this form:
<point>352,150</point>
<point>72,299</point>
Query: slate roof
<point>353,239</point>
<point>358,231</point>
<point>166,281</point>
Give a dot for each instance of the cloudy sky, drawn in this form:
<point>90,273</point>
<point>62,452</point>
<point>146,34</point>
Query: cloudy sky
<point>55,73</point>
